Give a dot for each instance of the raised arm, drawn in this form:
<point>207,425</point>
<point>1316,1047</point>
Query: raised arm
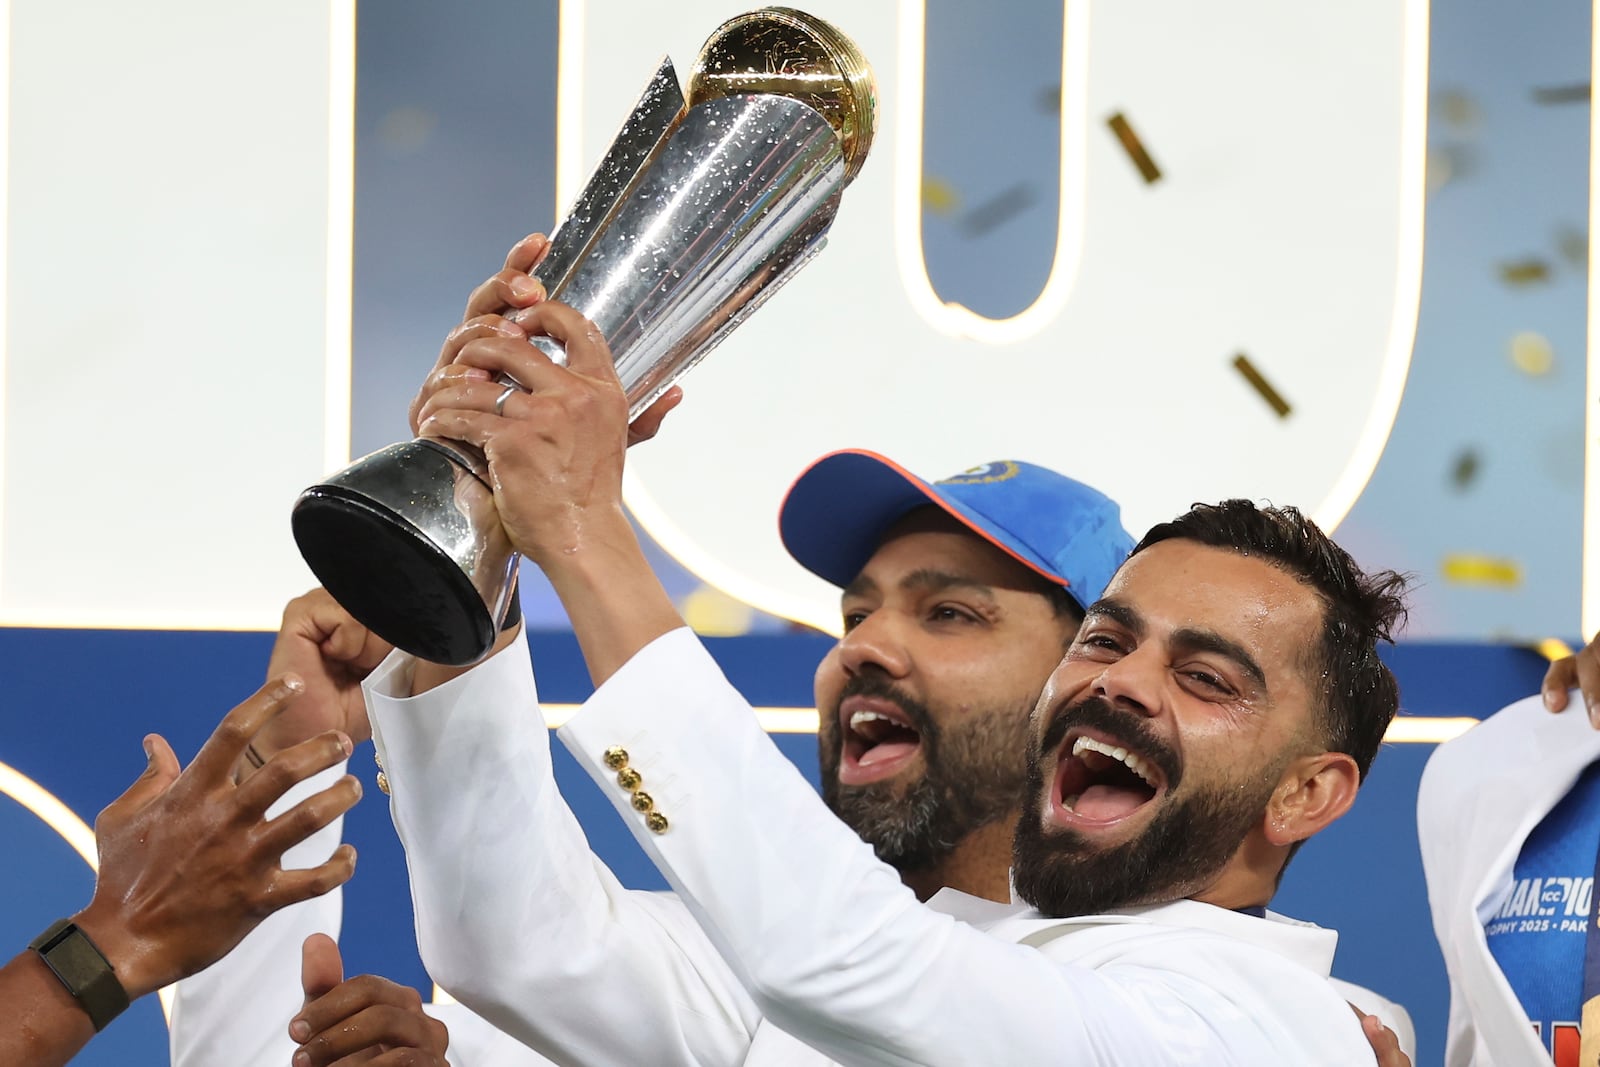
<point>515,916</point>
<point>237,1010</point>
<point>829,942</point>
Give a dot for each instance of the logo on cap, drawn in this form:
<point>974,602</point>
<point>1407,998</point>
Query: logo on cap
<point>983,474</point>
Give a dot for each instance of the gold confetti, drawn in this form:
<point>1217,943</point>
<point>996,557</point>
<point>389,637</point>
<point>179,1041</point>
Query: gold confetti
<point>939,196</point>
<point>713,613</point>
<point>1134,147</point>
<point>1274,399</point>
<point>1553,648</point>
<point>1459,110</point>
<point>1531,353</point>
<point>1464,568</point>
<point>1465,469</point>
<point>998,210</point>
<point>1530,271</point>
<point>1573,244</point>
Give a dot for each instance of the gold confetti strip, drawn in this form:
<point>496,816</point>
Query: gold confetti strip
<point>1576,93</point>
<point>1553,648</point>
<point>1274,399</point>
<point>998,210</point>
<point>1134,147</point>
<point>1465,469</point>
<point>1532,354</point>
<point>939,196</point>
<point>1464,568</point>
<point>1521,272</point>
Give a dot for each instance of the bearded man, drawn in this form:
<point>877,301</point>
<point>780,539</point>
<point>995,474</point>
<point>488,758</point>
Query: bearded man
<point>1224,643</point>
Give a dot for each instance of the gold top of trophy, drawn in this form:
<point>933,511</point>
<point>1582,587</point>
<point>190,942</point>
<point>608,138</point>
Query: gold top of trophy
<point>789,53</point>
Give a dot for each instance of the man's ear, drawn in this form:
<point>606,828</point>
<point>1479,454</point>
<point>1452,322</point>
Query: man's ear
<point>1315,790</point>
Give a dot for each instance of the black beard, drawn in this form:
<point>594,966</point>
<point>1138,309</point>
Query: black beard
<point>1183,850</point>
<point>973,777</point>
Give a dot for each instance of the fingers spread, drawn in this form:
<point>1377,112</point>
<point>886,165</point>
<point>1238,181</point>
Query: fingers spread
<point>161,770</point>
<point>289,767</point>
<point>217,757</point>
<point>291,887</point>
<point>310,815</point>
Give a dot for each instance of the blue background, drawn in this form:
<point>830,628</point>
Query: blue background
<point>78,704</point>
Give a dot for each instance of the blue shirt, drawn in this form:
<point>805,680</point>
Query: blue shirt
<point>1537,936</point>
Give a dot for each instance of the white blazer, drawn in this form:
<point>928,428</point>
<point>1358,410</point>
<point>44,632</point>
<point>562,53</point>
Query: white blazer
<point>1482,794</point>
<point>786,923</point>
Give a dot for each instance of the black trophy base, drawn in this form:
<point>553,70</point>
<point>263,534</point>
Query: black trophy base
<point>391,577</point>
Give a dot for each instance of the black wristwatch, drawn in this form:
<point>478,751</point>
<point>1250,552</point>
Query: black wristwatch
<point>84,970</point>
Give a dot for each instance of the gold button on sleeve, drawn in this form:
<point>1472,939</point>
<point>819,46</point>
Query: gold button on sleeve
<point>657,822</point>
<point>383,783</point>
<point>642,801</point>
<point>616,758</point>
<point>629,779</point>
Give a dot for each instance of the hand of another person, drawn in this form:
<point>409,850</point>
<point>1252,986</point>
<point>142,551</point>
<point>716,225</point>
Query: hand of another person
<point>1581,669</point>
<point>367,1020</point>
<point>1385,1042</point>
<point>499,309</point>
<point>189,863</point>
<point>332,653</point>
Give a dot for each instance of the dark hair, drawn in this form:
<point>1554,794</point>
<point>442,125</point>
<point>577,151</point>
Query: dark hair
<point>1063,603</point>
<point>1359,694</point>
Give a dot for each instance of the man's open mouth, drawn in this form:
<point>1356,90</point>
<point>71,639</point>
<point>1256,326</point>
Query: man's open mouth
<point>1101,782</point>
<point>878,739</point>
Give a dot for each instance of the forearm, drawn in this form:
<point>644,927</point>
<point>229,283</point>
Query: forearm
<point>612,597</point>
<point>515,916</point>
<point>47,1027</point>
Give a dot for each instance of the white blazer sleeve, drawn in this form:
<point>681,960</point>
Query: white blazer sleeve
<point>835,949</point>
<point>237,1011</point>
<point>515,916</point>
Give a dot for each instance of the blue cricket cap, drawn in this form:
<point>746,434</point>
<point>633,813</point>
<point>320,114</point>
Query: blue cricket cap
<point>835,515</point>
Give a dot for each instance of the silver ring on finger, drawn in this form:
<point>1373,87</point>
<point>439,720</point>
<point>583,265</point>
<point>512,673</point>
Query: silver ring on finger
<point>500,401</point>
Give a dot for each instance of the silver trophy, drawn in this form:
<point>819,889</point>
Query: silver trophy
<point>699,211</point>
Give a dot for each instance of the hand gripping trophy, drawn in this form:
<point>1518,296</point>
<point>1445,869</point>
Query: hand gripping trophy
<point>698,212</point>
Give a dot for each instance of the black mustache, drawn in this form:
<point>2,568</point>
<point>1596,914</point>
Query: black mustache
<point>1127,730</point>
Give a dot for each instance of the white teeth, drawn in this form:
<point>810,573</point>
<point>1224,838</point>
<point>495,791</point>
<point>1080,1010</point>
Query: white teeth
<point>1135,763</point>
<point>859,717</point>
<point>1071,803</point>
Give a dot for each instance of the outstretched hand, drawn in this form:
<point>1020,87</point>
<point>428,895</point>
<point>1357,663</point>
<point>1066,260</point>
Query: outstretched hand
<point>189,863</point>
<point>367,1020</point>
<point>1581,670</point>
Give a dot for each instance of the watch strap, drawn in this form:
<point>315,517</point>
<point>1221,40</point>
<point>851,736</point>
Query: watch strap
<point>84,970</point>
